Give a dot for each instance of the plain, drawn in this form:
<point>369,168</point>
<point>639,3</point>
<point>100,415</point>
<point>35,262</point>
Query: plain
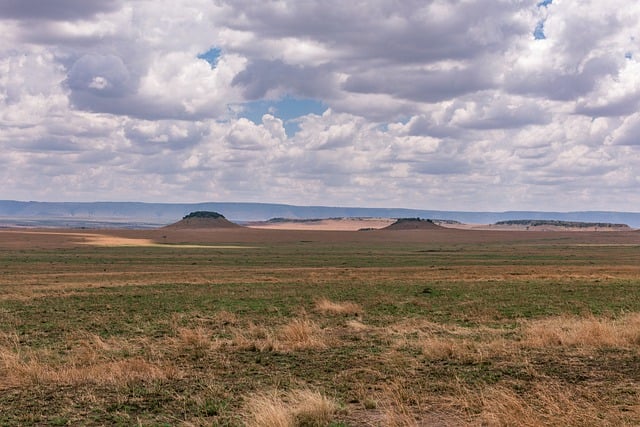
<point>272,327</point>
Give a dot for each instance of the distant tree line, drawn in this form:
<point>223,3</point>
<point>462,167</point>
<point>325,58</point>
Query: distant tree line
<point>204,214</point>
<point>416,219</point>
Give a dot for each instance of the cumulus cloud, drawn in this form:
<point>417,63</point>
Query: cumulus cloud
<point>429,104</point>
<point>55,10</point>
<point>99,76</point>
<point>628,133</point>
<point>264,78</point>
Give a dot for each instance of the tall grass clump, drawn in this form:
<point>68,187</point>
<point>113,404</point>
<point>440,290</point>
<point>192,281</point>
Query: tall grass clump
<point>347,308</point>
<point>547,404</point>
<point>566,331</point>
<point>297,408</point>
<point>296,334</point>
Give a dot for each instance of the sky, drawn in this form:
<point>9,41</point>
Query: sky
<point>432,104</point>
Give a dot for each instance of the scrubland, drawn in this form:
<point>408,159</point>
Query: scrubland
<point>316,331</point>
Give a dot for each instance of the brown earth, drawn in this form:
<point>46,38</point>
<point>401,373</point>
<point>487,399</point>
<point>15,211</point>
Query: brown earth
<point>202,223</point>
<point>413,224</point>
<point>61,238</point>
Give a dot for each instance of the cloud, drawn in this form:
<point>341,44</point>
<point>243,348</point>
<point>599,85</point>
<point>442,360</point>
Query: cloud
<point>628,133</point>
<point>432,104</point>
<point>615,95</point>
<point>411,31</point>
<point>559,84</point>
<point>420,85</point>
<point>99,76</point>
<point>263,78</point>
<point>499,112</point>
<point>62,10</point>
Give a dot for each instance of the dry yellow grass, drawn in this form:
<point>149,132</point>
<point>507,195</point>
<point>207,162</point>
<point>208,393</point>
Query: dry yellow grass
<point>297,334</point>
<point>439,348</point>
<point>357,325</point>
<point>443,342</point>
<point>583,332</point>
<point>547,404</point>
<point>347,308</point>
<point>195,341</point>
<point>252,337</point>
<point>448,342</point>
<point>267,410</point>
<point>300,407</point>
<point>17,370</point>
<point>312,408</point>
<point>90,360</point>
<point>224,318</point>
<point>301,334</point>
<point>399,406</point>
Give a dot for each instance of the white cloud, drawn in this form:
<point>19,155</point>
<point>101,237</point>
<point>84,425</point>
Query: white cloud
<point>431,104</point>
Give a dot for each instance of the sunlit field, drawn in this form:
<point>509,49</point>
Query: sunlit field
<point>275,328</point>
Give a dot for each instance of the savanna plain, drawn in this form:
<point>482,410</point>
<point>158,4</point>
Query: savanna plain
<point>317,328</point>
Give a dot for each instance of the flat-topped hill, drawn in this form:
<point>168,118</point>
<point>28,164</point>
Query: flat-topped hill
<point>563,225</point>
<point>203,220</point>
<point>413,224</point>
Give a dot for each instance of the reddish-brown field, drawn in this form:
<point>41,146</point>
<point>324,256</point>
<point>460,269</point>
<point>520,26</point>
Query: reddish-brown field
<point>273,327</point>
<point>55,238</point>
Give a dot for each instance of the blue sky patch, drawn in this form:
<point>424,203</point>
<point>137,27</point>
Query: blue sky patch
<point>544,3</point>
<point>538,33</point>
<point>211,56</point>
<point>287,109</point>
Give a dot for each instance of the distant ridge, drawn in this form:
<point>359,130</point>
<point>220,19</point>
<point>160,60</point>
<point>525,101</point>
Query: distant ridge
<point>413,224</point>
<point>566,224</point>
<point>203,220</point>
<point>160,214</point>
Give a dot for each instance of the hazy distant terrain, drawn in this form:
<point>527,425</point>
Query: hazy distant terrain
<point>144,215</point>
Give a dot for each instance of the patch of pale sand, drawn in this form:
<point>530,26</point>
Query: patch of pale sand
<point>461,226</point>
<point>344,224</point>
<point>100,240</point>
<point>112,241</point>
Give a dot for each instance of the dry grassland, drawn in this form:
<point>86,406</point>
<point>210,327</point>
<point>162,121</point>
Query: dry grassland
<point>321,330</point>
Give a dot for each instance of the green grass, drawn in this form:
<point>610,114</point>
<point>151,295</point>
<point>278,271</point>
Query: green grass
<point>154,290</point>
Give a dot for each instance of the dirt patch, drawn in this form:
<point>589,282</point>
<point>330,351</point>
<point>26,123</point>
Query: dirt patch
<point>114,241</point>
<point>202,223</point>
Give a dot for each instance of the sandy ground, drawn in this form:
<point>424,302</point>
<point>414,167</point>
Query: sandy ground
<point>109,240</point>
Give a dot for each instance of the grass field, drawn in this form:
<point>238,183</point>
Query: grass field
<point>273,328</point>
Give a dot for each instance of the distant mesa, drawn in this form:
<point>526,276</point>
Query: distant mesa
<point>554,224</point>
<point>413,224</point>
<point>203,220</point>
<point>280,220</point>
